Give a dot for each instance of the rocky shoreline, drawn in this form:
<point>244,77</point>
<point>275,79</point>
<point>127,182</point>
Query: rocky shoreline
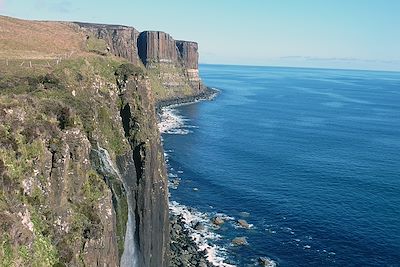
<point>190,230</point>
<point>183,250</point>
<point>207,93</point>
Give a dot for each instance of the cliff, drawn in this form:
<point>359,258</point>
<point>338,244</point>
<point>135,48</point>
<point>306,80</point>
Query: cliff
<point>172,66</point>
<point>121,40</point>
<point>81,163</point>
<point>173,63</point>
<point>157,47</point>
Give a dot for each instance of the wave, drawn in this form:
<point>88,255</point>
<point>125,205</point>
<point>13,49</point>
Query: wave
<point>170,122</point>
<point>203,238</point>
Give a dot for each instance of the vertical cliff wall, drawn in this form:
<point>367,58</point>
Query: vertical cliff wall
<point>172,65</point>
<point>189,55</point>
<point>81,163</point>
<point>148,184</point>
<point>121,40</point>
<point>157,47</point>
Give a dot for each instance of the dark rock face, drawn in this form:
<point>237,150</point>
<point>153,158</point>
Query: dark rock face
<point>66,206</point>
<point>189,54</point>
<point>121,40</point>
<point>146,181</point>
<point>174,64</point>
<point>83,171</point>
<point>157,47</point>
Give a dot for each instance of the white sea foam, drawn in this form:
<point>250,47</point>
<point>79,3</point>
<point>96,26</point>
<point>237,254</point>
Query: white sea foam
<point>172,123</point>
<point>203,238</point>
<point>169,120</point>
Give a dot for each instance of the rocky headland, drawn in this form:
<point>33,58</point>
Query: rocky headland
<point>82,170</point>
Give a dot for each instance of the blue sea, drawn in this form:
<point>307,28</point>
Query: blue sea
<point>310,158</point>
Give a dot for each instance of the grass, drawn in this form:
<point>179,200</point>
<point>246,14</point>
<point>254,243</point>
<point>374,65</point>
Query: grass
<point>45,254</point>
<point>96,45</point>
<point>111,132</point>
<point>7,254</point>
<point>94,187</point>
<point>161,74</point>
<point>38,40</point>
<point>19,161</point>
<point>42,253</point>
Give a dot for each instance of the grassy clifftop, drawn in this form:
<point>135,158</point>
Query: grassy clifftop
<point>61,98</point>
<point>23,39</point>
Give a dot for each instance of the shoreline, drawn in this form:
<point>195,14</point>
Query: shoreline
<point>208,94</point>
<point>193,233</point>
<point>184,250</point>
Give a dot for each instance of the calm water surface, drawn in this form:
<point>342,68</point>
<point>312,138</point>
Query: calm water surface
<point>312,155</point>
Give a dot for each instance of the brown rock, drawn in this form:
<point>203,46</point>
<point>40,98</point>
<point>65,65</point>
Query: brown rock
<point>157,47</point>
<point>239,241</point>
<point>218,220</point>
<point>121,40</point>
<point>188,52</point>
<point>264,261</point>
<point>243,223</point>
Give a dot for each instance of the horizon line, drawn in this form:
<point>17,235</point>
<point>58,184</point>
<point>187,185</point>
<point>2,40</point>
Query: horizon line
<point>297,67</point>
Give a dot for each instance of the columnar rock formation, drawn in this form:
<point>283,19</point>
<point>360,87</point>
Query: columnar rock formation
<point>157,47</point>
<point>174,63</point>
<point>189,54</point>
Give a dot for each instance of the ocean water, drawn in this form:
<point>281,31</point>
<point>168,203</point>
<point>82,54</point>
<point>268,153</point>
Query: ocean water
<point>309,157</point>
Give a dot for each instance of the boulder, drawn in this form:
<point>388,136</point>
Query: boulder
<point>199,226</point>
<point>264,261</point>
<point>218,220</point>
<point>239,241</point>
<point>243,223</point>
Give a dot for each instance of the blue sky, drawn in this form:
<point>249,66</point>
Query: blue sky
<point>358,34</point>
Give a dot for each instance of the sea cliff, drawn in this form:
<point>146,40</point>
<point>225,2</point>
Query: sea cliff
<point>82,170</point>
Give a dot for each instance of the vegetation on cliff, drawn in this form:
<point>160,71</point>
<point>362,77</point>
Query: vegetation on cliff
<point>79,146</point>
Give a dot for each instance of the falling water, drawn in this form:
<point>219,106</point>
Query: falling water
<point>129,256</point>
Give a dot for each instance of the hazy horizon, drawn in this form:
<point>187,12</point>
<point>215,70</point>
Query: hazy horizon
<point>331,34</point>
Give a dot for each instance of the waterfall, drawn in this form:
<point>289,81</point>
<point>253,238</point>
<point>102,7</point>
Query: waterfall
<point>129,257</point>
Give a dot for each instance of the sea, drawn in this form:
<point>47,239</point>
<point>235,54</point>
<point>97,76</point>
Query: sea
<point>309,158</point>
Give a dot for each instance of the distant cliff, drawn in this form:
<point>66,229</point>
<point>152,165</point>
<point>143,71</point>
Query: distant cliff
<point>172,65</point>
<point>83,178</point>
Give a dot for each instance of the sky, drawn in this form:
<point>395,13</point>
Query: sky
<point>352,34</point>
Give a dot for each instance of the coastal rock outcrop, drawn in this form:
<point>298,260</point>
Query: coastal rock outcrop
<point>172,65</point>
<point>189,55</point>
<point>239,241</point>
<point>81,163</point>
<point>148,184</point>
<point>121,40</point>
<point>157,47</point>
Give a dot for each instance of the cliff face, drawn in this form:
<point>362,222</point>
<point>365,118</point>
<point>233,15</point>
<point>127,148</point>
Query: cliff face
<point>81,163</point>
<point>189,54</point>
<point>172,65</point>
<point>82,171</point>
<point>148,187</point>
<point>121,40</point>
<point>157,47</point>
<point>47,215</point>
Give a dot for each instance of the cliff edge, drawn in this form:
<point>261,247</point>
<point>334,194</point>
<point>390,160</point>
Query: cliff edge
<point>83,180</point>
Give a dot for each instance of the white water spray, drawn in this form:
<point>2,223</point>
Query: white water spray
<point>129,257</point>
